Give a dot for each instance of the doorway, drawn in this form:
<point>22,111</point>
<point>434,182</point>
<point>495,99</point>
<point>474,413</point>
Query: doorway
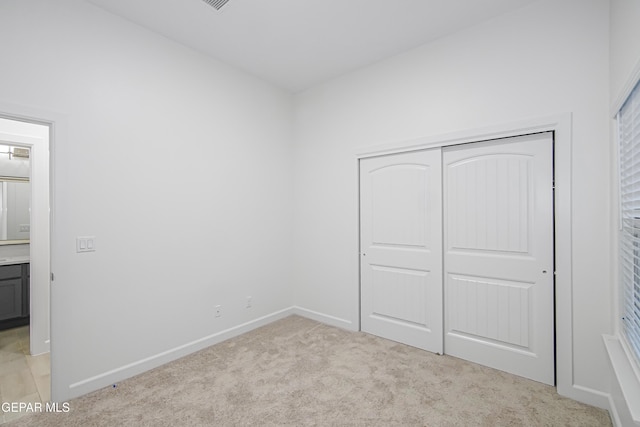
<point>490,299</point>
<point>34,340</point>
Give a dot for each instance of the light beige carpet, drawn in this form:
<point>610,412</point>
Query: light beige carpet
<point>300,372</point>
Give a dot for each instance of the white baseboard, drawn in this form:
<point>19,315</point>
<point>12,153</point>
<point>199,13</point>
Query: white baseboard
<point>590,396</point>
<point>325,318</point>
<point>614,414</point>
<point>625,385</point>
<point>579,393</point>
<point>119,374</point>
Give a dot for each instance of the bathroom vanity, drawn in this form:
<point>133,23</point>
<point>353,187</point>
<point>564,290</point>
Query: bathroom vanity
<point>14,292</point>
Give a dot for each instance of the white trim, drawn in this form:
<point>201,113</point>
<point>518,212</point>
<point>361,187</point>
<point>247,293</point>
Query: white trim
<point>355,259</point>
<point>632,81</point>
<point>613,413</point>
<point>590,396</point>
<point>627,380</point>
<point>325,318</point>
<point>127,371</point>
<point>528,126</point>
<point>561,125</point>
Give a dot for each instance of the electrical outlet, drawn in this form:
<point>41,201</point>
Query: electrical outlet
<point>248,302</point>
<point>218,311</point>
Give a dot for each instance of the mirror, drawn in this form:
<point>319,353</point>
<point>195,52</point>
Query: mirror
<point>15,195</point>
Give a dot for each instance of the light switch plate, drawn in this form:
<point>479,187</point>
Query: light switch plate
<point>86,244</point>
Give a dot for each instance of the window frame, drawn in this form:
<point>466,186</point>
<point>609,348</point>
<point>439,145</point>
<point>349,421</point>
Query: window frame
<point>628,241</point>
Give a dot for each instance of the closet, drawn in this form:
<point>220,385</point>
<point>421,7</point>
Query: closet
<point>456,252</point>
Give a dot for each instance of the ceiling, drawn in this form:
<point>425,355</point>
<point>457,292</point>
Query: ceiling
<point>296,44</point>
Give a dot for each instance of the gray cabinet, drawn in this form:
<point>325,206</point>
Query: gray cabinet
<point>14,295</point>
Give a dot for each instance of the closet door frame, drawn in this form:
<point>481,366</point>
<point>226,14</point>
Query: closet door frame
<point>561,126</point>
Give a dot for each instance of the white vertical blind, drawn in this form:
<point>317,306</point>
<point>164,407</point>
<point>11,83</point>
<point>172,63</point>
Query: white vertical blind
<point>629,140</point>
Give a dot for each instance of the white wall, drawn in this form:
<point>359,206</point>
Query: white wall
<point>625,43</point>
<point>550,57</point>
<point>178,164</point>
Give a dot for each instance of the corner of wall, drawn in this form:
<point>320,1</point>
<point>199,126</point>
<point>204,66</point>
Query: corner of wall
<point>624,400</point>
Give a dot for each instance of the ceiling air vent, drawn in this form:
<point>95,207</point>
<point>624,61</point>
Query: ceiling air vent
<point>216,4</point>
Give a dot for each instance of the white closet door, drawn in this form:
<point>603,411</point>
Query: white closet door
<point>401,248</point>
<point>498,254</point>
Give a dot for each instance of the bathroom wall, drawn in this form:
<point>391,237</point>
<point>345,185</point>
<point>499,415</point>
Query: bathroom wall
<point>17,167</point>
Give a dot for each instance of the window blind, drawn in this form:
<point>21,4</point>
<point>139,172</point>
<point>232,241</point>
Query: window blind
<point>629,142</point>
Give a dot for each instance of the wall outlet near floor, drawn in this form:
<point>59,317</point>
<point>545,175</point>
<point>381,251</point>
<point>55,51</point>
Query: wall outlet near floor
<point>218,311</point>
<point>248,302</point>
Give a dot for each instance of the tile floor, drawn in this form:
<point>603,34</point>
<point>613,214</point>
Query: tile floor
<point>23,378</point>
